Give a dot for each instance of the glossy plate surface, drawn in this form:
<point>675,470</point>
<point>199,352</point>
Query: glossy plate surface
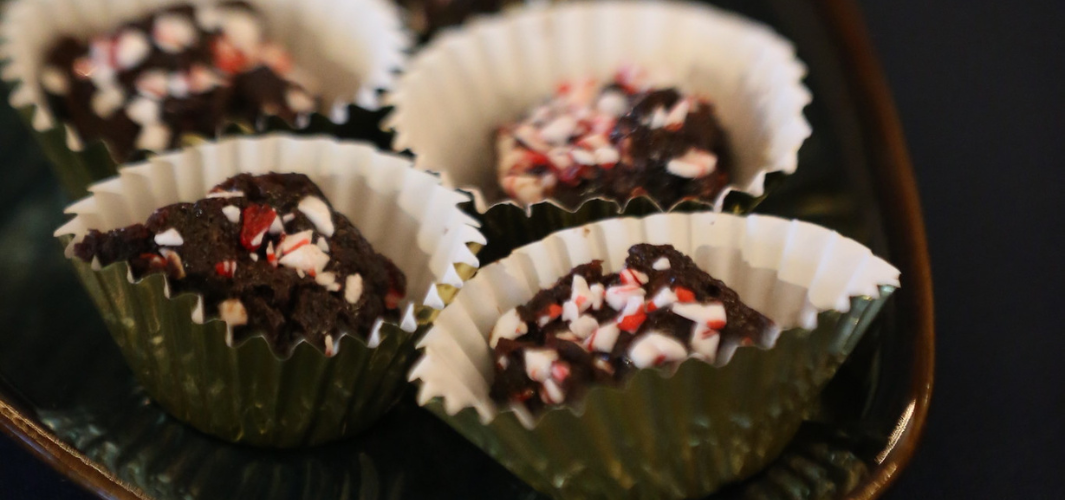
<point>66,393</point>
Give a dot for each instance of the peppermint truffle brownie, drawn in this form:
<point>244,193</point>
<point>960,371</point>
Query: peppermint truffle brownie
<point>618,140</point>
<point>596,328</point>
<point>182,70</point>
<point>269,255</point>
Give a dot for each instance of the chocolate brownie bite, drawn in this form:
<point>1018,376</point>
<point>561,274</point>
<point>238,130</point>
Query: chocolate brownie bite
<point>618,140</point>
<point>183,70</point>
<point>268,254</point>
<point>596,328</point>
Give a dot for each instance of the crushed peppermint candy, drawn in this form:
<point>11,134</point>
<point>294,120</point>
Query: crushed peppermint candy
<point>617,139</point>
<point>284,284</point>
<point>597,328</point>
<point>179,55</point>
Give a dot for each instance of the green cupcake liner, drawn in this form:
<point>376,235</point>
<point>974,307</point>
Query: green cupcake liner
<point>249,393</point>
<point>663,434</point>
<point>678,436</point>
<point>245,393</point>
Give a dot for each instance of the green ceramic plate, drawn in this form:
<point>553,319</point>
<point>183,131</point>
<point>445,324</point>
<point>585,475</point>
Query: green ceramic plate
<point>66,393</point>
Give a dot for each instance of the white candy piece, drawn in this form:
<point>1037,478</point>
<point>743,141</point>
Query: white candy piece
<point>664,298</point>
<point>612,103</point>
<point>617,296</point>
<point>583,326</point>
<point>174,261</point>
<point>173,32</point>
<point>508,326</point>
<point>169,238</point>
<point>152,84</point>
<point>307,258</point>
<point>275,226</point>
<point>693,164</point>
<point>524,188</point>
<point>661,264</point>
<point>583,157</point>
<point>325,278</point>
<point>54,80</point>
<point>530,137</point>
<point>658,118</point>
<point>226,194</point>
<point>292,241</point>
<point>653,349</point>
<point>202,80</point>
<point>606,155</point>
<point>243,29</point>
<point>144,111</point>
<point>177,86</point>
<point>559,130</point>
<point>553,393</point>
<point>299,101</point>
<point>579,288</point>
<point>153,137</point>
<point>323,244</point>
<point>704,342</point>
<point>131,48</point>
<point>353,288</point>
<point>708,314</point>
<point>632,276</point>
<point>604,338</point>
<point>538,363</point>
<point>678,114</point>
<point>570,311</point>
<point>232,312</point>
<point>318,213</point>
<point>232,213</point>
<point>107,100</point>
<point>596,292</point>
<point>208,17</point>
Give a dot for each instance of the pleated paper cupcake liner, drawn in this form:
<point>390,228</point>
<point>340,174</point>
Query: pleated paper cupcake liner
<point>353,47</point>
<point>471,80</point>
<point>248,393</point>
<point>664,435</point>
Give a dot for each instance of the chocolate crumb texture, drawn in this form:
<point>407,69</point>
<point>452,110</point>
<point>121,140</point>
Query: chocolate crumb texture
<point>620,139</point>
<point>268,254</point>
<point>596,328</point>
<point>183,70</point>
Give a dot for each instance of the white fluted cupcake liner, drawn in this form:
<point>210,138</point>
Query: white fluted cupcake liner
<point>353,48</point>
<point>246,392</point>
<point>471,80</point>
<point>664,435</point>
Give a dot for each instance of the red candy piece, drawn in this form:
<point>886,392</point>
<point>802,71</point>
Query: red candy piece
<point>684,295</point>
<point>392,298</point>
<point>716,324</point>
<point>559,371</point>
<point>257,221</point>
<point>553,311</point>
<point>227,57</point>
<point>226,268</point>
<point>651,307</point>
<point>154,261</point>
<point>632,322</point>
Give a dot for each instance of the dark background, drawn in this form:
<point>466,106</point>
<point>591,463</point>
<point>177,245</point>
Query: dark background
<point>980,87</point>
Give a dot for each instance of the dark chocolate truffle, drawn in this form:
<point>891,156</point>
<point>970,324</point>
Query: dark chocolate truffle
<point>595,328</point>
<point>180,71</point>
<point>618,141</point>
<point>268,255</point>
